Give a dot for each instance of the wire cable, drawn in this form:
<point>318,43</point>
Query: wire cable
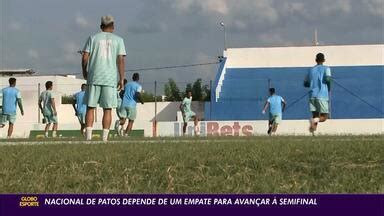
<point>358,97</point>
<point>296,101</point>
<point>164,67</point>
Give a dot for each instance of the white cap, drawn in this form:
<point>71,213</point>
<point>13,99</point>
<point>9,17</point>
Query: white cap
<point>106,20</point>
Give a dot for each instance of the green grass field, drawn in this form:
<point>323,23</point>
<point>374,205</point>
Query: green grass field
<point>323,164</point>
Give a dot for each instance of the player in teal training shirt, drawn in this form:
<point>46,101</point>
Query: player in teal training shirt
<point>103,58</point>
<point>11,98</point>
<point>276,106</point>
<point>80,107</point>
<point>47,106</point>
<point>188,114</point>
<point>132,95</point>
<point>318,80</point>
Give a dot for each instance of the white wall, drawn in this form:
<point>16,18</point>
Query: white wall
<point>166,111</point>
<point>351,55</point>
<point>28,87</point>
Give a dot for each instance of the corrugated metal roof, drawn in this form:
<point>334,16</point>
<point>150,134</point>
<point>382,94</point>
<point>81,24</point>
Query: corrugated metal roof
<point>12,72</point>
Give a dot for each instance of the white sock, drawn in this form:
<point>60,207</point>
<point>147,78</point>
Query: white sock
<point>46,134</point>
<point>54,134</point>
<point>121,131</point>
<point>105,135</point>
<point>88,133</point>
<point>316,120</point>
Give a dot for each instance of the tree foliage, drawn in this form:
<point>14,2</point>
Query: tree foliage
<point>199,91</point>
<point>171,91</point>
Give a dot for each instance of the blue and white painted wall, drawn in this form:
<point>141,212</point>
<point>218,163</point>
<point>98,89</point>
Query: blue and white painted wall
<point>242,82</point>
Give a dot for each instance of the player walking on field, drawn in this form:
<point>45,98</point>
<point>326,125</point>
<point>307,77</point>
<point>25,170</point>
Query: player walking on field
<point>132,95</point>
<point>80,108</point>
<point>103,57</point>
<point>318,80</point>
<point>188,114</point>
<point>276,106</point>
<point>47,106</point>
<point>120,95</point>
<point>11,98</point>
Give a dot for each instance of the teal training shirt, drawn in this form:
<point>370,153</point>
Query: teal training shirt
<point>103,49</point>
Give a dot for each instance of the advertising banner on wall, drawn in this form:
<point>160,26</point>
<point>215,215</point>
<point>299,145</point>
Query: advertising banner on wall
<point>212,128</point>
<point>287,127</point>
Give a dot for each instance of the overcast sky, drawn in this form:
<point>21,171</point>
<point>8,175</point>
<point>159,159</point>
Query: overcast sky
<point>45,34</point>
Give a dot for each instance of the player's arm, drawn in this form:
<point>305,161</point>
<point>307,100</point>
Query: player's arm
<point>40,106</point>
<point>266,105</point>
<point>84,63</point>
<point>306,82</point>
<point>139,98</point>
<point>181,107</point>
<point>53,106</point>
<point>121,68</point>
<point>328,78</point>
<point>284,104</point>
<point>121,94</point>
<point>20,103</point>
<point>74,105</point>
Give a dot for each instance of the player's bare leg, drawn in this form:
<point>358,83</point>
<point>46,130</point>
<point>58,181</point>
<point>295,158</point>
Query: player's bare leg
<point>54,129</point>
<point>47,126</point>
<point>82,129</point>
<point>269,128</point>
<point>323,117</point>
<point>314,121</point>
<point>10,130</point>
<point>120,128</point>
<point>185,128</point>
<point>129,127</point>
<point>107,120</point>
<point>274,127</point>
<point>196,128</point>
<point>89,118</point>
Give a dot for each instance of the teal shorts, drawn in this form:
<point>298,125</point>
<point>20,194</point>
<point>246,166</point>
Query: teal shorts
<point>127,112</point>
<point>49,117</point>
<point>275,119</point>
<point>318,105</point>
<point>4,118</point>
<point>188,115</point>
<point>81,117</point>
<point>105,96</point>
<point>118,111</point>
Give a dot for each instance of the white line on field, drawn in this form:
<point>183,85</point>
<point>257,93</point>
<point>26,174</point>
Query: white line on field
<point>160,141</point>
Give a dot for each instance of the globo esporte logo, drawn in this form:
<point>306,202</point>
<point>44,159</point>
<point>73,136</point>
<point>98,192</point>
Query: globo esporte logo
<point>29,201</point>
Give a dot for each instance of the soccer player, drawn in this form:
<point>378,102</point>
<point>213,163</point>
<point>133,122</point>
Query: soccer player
<point>131,96</point>
<point>47,106</point>
<point>276,106</point>
<point>318,80</point>
<point>11,98</point>
<point>103,56</point>
<point>80,108</point>
<point>188,114</point>
<point>120,95</point>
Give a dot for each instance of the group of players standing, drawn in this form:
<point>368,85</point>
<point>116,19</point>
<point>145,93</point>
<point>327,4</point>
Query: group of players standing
<point>103,58</point>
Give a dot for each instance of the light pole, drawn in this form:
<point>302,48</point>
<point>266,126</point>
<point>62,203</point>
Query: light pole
<point>225,35</point>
